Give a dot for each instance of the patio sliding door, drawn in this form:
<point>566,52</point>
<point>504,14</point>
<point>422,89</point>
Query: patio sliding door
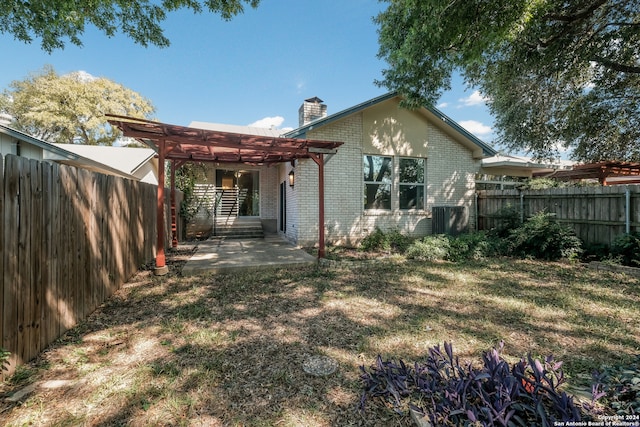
<point>237,192</point>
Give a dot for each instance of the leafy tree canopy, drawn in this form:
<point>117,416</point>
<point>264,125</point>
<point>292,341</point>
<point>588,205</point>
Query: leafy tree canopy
<point>54,22</point>
<point>70,108</point>
<point>559,74</point>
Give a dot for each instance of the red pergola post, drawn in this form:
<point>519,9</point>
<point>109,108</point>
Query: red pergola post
<point>319,159</point>
<point>161,267</point>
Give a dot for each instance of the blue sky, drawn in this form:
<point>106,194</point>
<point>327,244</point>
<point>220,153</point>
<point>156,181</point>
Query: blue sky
<point>256,68</point>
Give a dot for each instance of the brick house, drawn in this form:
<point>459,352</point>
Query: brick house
<point>396,169</point>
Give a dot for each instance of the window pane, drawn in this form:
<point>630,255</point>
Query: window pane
<point>377,169</point>
<point>377,179</point>
<point>412,171</point>
<point>411,196</point>
<point>377,196</point>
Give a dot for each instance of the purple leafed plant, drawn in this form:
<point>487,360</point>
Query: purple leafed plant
<point>494,394</point>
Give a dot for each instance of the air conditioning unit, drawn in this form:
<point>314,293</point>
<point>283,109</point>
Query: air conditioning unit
<point>451,220</point>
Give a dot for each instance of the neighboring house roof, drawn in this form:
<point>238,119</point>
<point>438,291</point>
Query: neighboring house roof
<point>126,159</point>
<point>301,132</point>
<point>522,166</point>
<point>246,130</point>
<point>55,152</point>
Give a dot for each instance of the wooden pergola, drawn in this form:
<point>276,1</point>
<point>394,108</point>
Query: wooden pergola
<point>601,171</point>
<point>181,144</point>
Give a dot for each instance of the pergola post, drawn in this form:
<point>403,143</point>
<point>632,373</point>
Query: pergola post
<point>319,159</point>
<point>161,267</point>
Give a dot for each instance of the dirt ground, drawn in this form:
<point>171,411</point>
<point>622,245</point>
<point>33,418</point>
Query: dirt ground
<point>231,350</point>
<point>168,351</point>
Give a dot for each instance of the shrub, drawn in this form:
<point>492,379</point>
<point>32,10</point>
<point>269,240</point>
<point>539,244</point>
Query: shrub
<point>596,252</point>
<point>495,394</point>
<point>429,248</point>
<point>621,387</point>
<point>391,241</point>
<point>542,237</point>
<point>541,184</point>
<point>508,219</point>
<point>626,248</point>
<point>398,241</point>
<point>473,246</point>
<point>375,241</point>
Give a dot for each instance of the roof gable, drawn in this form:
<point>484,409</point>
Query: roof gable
<point>437,117</point>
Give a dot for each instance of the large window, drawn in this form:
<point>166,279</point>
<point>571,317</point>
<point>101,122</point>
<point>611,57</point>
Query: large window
<point>377,182</point>
<point>411,183</point>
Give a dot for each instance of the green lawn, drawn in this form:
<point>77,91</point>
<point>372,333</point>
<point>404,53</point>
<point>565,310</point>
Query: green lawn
<point>228,350</point>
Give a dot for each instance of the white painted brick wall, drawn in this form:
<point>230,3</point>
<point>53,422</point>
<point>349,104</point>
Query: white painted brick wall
<point>450,180</point>
<point>268,192</point>
<point>451,172</point>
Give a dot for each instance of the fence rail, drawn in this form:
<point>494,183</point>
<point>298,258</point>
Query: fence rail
<point>69,238</point>
<point>597,214</point>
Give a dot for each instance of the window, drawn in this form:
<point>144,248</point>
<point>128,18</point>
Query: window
<point>411,184</point>
<point>377,182</point>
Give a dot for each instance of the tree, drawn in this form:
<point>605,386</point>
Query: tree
<point>55,21</point>
<point>558,74</point>
<point>70,108</point>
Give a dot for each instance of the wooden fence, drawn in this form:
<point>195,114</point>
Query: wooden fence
<point>597,214</point>
<point>69,238</point>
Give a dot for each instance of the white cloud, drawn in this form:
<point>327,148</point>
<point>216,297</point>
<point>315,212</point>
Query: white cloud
<point>443,105</point>
<point>268,122</point>
<point>83,76</point>
<point>476,127</point>
<point>475,98</point>
<point>124,141</point>
<point>301,86</point>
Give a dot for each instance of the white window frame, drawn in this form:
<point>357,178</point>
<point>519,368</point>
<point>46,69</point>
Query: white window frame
<point>389,182</point>
<point>422,184</point>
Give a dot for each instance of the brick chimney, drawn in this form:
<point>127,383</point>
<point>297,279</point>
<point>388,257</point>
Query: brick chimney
<point>310,110</point>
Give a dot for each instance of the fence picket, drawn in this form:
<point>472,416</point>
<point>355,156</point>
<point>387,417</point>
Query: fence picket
<point>10,273</point>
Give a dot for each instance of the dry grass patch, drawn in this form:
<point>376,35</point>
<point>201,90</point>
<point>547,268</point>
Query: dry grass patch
<point>228,350</point>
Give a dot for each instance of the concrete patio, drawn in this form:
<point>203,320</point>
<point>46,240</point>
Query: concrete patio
<point>223,255</point>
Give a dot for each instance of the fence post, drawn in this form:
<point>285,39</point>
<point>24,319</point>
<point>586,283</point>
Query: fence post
<point>476,207</point>
<point>521,207</point>
<point>627,209</point>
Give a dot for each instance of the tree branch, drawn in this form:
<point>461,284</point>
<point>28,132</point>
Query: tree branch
<point>576,16</point>
<point>612,65</point>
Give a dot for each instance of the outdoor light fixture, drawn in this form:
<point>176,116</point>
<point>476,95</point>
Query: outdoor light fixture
<point>292,179</point>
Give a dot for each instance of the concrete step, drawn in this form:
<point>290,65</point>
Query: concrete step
<point>238,228</point>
